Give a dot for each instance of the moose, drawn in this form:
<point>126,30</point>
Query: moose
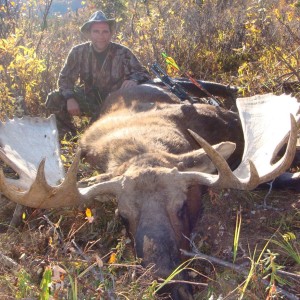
<point>158,157</point>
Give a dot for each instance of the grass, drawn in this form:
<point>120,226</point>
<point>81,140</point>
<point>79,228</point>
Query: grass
<point>46,284</point>
<point>289,244</point>
<point>237,231</point>
<point>185,266</point>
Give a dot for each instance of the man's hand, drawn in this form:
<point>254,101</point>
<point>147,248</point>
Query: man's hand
<point>73,107</point>
<point>128,84</point>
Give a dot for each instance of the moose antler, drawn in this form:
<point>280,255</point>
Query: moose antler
<point>42,182</point>
<point>42,138</point>
<point>268,121</point>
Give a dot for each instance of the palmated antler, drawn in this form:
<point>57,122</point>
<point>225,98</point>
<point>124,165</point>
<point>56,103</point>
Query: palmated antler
<point>268,121</point>
<point>25,143</point>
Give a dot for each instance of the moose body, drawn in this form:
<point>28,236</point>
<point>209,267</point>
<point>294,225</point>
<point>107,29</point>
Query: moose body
<point>146,147</point>
<point>152,123</point>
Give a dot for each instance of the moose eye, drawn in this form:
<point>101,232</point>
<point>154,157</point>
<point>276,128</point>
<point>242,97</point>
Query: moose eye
<point>182,211</point>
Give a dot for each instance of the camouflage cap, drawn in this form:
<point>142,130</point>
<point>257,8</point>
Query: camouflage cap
<point>98,17</point>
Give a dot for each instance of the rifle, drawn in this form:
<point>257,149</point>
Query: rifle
<point>176,88</point>
<point>173,86</point>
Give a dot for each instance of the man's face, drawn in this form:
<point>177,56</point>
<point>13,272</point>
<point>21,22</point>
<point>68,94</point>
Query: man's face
<point>100,36</point>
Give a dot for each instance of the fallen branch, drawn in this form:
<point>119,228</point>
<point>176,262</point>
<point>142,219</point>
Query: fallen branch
<point>236,268</point>
<point>9,263</point>
<point>288,274</point>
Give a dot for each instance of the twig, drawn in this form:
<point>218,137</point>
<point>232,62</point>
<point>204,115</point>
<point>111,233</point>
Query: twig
<point>216,260</point>
<point>44,24</point>
<point>238,269</point>
<point>55,228</point>
<point>99,274</point>
<point>295,36</point>
<point>124,265</point>
<point>289,74</point>
<point>288,273</point>
<point>268,193</point>
<point>16,219</point>
<point>282,59</point>
<point>132,18</point>
<point>183,281</point>
<point>80,251</point>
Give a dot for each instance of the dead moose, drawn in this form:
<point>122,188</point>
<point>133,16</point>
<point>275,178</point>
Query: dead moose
<point>147,149</point>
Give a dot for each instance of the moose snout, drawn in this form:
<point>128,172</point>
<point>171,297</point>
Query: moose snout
<point>156,245</point>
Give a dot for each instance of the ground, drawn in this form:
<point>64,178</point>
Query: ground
<point>259,227</point>
<point>74,244</point>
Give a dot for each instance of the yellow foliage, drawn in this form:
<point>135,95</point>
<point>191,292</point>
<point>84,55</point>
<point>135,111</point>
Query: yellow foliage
<point>21,70</point>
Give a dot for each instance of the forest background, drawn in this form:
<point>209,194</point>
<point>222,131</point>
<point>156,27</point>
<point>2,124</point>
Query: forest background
<point>251,44</point>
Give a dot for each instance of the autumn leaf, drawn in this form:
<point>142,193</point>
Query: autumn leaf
<point>89,215</point>
<point>113,258</point>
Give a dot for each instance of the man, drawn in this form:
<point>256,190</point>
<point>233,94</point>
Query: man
<point>102,67</point>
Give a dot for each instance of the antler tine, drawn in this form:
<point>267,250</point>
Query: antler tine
<point>113,186</point>
<point>225,178</point>
<point>268,120</point>
<point>41,194</point>
<point>71,176</point>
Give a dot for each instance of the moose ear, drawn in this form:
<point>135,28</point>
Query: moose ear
<point>199,161</point>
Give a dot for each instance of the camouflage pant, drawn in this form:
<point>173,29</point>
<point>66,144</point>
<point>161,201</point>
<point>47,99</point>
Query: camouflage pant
<point>89,104</point>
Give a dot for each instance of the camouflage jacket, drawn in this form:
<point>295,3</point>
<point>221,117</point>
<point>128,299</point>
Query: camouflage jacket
<point>119,64</point>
